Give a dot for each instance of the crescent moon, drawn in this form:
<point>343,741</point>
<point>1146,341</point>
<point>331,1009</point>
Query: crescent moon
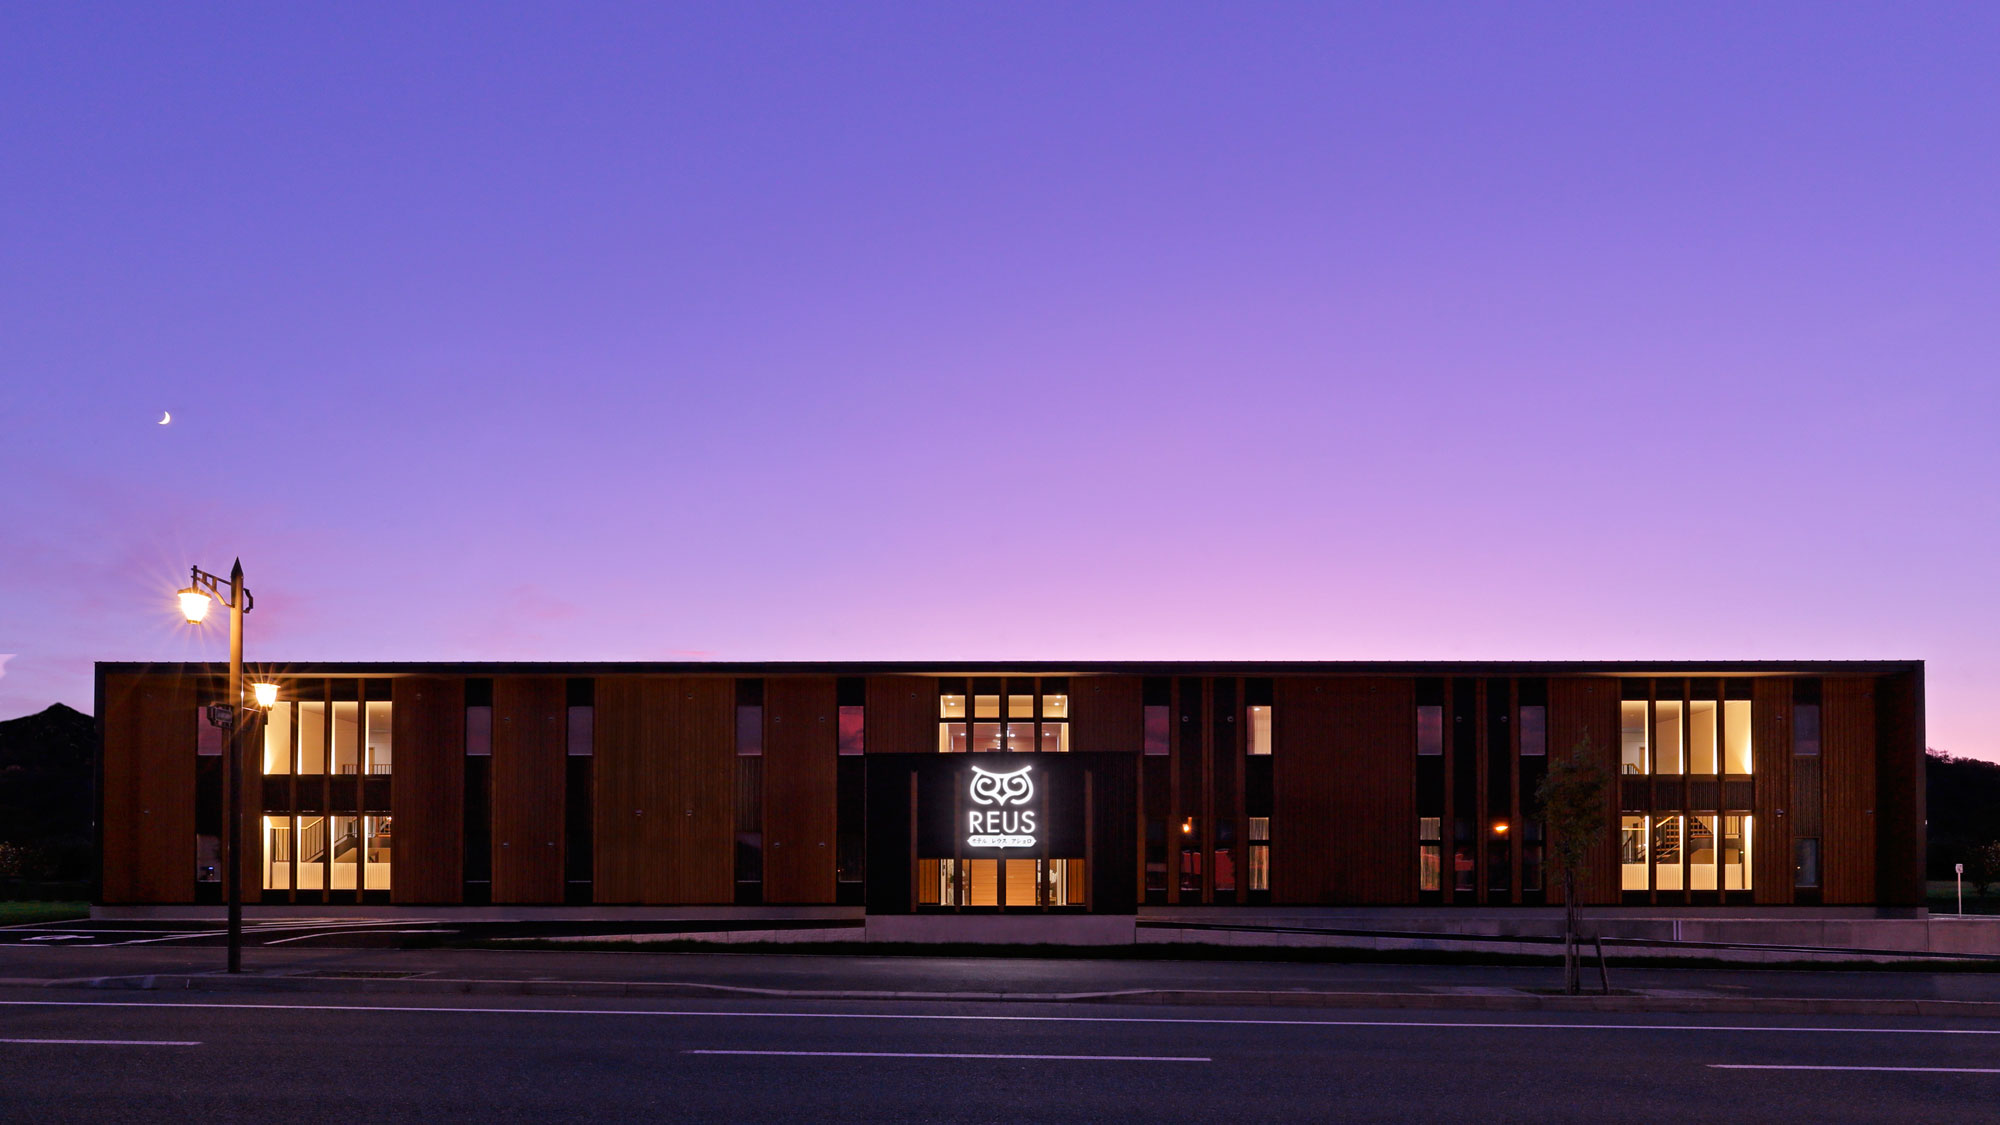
<point>166,416</point>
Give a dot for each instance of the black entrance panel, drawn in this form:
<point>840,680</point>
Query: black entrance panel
<point>895,841</point>
<point>888,818</point>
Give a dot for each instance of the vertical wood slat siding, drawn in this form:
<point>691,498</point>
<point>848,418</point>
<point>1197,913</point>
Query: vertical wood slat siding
<point>1847,749</point>
<point>529,745</point>
<point>1107,715</point>
<point>1579,708</point>
<point>427,790</point>
<point>1771,874</point>
<point>148,803</point>
<point>1304,801</point>
<point>801,788</point>
<point>901,716</point>
<point>664,775</point>
<point>1899,789</point>
<point>1374,825</point>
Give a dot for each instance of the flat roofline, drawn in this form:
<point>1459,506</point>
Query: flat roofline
<point>1048,667</point>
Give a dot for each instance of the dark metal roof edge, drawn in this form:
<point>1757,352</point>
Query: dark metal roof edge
<point>1042,667</point>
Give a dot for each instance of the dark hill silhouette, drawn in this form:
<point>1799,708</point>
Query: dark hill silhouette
<point>1963,809</point>
<point>46,774</point>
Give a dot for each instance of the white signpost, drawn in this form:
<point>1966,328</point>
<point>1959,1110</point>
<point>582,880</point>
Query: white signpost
<point>1000,817</point>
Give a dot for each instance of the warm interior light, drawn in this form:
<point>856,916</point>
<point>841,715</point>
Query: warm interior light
<point>267,695</point>
<point>1499,828</point>
<point>194,605</point>
<point>1187,827</point>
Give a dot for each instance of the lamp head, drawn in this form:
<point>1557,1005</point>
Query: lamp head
<point>194,605</point>
<point>266,694</point>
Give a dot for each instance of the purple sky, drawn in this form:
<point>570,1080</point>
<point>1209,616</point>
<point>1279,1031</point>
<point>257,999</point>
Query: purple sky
<point>996,331</point>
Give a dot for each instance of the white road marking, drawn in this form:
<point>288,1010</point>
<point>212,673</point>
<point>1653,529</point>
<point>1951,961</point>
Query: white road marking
<point>944,1055</point>
<point>971,1018</point>
<point>113,1042</point>
<point>1895,1069</point>
<point>344,933</point>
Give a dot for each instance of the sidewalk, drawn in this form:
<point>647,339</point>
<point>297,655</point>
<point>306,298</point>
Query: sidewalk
<point>773,976</point>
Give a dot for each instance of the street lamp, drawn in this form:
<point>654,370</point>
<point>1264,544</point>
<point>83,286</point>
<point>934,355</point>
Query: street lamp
<point>203,588</point>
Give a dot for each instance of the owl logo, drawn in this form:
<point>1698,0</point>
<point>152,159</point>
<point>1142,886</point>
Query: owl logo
<point>1014,788</point>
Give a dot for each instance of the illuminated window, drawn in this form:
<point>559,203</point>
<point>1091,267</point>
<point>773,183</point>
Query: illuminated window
<point>1701,737</point>
<point>1055,738</point>
<point>310,851</point>
<point>380,849</point>
<point>1736,851</point>
<point>1190,869</point>
<point>1701,851</point>
<point>1023,731</point>
<point>312,738</point>
<point>346,740</point>
<point>375,748</point>
<point>1260,730</point>
<point>1260,853</point>
<point>278,741</point>
<point>1668,747</point>
<point>1667,853</point>
<point>344,852</point>
<point>278,852</point>
<point>1633,751</point>
<point>1633,852</point>
<point>1736,756</point>
<point>1430,853</point>
<point>1225,856</point>
<point>852,723</point>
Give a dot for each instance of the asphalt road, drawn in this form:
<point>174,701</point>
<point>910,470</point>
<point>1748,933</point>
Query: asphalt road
<point>24,962</point>
<point>211,1057</point>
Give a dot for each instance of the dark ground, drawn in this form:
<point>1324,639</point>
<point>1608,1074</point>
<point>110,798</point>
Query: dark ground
<point>205,1057</point>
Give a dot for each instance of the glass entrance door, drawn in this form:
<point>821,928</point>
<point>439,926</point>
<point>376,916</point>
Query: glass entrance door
<point>1006,884</point>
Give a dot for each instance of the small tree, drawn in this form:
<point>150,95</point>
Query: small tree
<point>1982,867</point>
<point>1570,802</point>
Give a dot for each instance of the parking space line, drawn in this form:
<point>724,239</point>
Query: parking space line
<point>949,1055</point>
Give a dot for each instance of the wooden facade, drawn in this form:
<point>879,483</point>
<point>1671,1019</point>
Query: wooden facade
<point>665,771</point>
<point>801,744</point>
<point>429,789</point>
<point>146,800</point>
<point>653,809</point>
<point>529,742</point>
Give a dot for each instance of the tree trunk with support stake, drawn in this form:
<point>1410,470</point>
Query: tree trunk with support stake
<point>1570,802</point>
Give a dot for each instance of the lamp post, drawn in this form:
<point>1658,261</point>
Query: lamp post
<point>202,588</point>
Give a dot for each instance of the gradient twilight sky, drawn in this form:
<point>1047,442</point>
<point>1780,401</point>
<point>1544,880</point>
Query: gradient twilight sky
<point>1063,331</point>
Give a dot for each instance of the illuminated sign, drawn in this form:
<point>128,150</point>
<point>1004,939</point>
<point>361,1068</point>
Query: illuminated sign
<point>1001,818</point>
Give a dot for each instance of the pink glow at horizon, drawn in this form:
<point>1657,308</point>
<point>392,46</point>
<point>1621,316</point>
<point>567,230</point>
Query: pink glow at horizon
<point>772,333</point>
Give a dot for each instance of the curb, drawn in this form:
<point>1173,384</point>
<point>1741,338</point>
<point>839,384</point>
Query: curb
<point>1416,1001</point>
